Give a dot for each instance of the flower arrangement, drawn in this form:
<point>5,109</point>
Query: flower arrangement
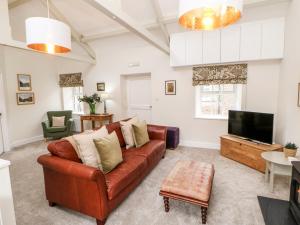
<point>91,101</point>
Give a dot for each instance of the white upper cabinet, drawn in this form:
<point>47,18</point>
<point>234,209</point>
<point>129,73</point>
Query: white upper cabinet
<point>177,50</point>
<point>272,39</point>
<point>211,47</point>
<point>194,49</point>
<point>230,44</point>
<point>250,41</point>
<point>258,40</point>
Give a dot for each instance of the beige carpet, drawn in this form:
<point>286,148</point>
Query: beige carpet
<point>233,202</point>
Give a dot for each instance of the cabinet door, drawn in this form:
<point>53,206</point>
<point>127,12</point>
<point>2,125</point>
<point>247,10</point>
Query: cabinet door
<point>250,41</point>
<point>273,38</point>
<point>211,47</point>
<point>194,50</point>
<point>230,44</point>
<point>177,49</point>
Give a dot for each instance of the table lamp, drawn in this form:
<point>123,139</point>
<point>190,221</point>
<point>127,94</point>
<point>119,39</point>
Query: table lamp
<point>105,96</point>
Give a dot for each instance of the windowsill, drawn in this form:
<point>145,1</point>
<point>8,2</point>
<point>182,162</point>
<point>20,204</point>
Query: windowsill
<point>211,117</point>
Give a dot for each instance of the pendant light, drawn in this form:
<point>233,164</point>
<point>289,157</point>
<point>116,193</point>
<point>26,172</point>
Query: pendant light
<point>48,35</point>
<point>209,14</point>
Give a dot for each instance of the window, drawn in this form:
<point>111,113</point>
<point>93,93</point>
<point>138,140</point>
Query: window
<point>70,99</point>
<point>214,101</point>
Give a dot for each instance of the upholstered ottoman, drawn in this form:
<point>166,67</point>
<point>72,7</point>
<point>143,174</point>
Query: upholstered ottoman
<point>172,137</point>
<point>191,182</point>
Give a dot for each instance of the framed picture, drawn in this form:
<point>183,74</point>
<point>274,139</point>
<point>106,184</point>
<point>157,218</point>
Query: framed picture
<point>25,98</point>
<point>24,82</point>
<point>101,86</point>
<point>170,87</point>
<point>299,95</point>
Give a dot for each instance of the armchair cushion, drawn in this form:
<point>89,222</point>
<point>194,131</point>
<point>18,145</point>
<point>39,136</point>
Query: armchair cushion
<point>67,114</point>
<point>56,129</point>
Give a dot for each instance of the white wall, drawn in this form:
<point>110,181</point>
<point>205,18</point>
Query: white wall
<point>289,112</point>
<point>175,110</point>
<point>24,122</point>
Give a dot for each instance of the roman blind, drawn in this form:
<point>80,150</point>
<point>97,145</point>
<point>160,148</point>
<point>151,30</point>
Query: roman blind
<point>70,80</point>
<point>220,74</point>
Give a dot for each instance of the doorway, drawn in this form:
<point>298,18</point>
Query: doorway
<point>136,92</point>
<point>2,116</point>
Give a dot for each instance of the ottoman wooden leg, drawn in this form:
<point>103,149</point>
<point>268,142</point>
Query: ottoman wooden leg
<point>166,202</point>
<point>203,214</point>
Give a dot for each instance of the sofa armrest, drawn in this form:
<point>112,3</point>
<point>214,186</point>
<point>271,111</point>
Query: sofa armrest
<point>75,186</point>
<point>71,168</point>
<point>157,132</point>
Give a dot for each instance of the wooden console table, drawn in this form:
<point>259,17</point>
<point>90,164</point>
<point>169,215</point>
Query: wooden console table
<point>246,152</point>
<point>97,117</point>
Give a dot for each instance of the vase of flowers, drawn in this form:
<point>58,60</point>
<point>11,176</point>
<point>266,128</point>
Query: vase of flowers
<point>91,101</point>
<point>290,150</point>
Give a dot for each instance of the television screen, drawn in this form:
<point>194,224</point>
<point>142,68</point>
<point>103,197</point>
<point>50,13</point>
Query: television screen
<point>251,125</point>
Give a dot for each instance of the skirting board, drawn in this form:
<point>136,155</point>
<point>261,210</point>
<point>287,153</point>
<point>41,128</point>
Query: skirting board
<point>199,144</point>
<point>25,141</point>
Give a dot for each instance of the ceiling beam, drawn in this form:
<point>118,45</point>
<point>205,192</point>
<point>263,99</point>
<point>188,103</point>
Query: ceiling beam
<point>167,20</point>
<point>72,56</point>
<point>17,3</point>
<point>123,19</point>
<point>159,18</point>
<point>75,34</point>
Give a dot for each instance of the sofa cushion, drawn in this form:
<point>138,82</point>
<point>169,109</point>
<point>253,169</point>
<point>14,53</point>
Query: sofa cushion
<point>125,173</point>
<point>110,151</point>
<point>117,128</point>
<point>152,151</point>
<point>56,129</point>
<point>63,149</point>
<point>140,133</point>
<point>126,128</point>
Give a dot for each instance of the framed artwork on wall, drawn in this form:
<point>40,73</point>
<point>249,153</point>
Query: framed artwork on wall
<point>299,95</point>
<point>170,87</point>
<point>25,98</point>
<point>24,82</point>
<point>101,86</point>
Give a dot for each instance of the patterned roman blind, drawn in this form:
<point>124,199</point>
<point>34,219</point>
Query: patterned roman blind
<point>220,74</point>
<point>70,80</point>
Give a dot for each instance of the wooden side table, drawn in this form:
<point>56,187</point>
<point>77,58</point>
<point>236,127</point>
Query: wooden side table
<point>97,117</point>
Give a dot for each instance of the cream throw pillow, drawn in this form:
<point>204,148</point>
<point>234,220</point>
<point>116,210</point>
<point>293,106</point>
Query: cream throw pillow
<point>110,151</point>
<point>58,121</point>
<point>87,149</point>
<point>73,143</point>
<point>126,128</point>
<point>140,133</point>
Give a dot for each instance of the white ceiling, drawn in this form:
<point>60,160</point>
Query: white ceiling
<point>88,21</point>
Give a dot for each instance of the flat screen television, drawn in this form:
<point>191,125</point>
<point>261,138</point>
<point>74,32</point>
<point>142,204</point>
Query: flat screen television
<point>251,125</point>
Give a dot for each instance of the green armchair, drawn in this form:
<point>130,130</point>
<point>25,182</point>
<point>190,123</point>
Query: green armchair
<point>58,132</point>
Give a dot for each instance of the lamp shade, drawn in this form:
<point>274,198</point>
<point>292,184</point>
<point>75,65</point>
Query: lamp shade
<point>106,96</point>
<point>48,35</point>
<point>209,14</point>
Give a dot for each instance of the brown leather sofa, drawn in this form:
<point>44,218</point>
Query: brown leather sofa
<point>85,189</point>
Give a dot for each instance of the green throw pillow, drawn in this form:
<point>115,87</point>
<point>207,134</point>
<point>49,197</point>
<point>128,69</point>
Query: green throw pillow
<point>140,133</point>
<point>109,151</point>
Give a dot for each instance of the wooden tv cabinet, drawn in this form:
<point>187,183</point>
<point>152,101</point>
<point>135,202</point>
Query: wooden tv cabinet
<point>246,152</point>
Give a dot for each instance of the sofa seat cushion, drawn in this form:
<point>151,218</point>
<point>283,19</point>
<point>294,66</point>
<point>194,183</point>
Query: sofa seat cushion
<point>125,173</point>
<point>56,129</point>
<point>153,151</point>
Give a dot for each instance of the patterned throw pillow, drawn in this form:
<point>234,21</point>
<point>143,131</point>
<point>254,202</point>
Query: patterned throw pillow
<point>110,151</point>
<point>58,121</point>
<point>140,133</point>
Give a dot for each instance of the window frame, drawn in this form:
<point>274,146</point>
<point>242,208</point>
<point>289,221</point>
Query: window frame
<point>240,89</point>
<point>73,101</point>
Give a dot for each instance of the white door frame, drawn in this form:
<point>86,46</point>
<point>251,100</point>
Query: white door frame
<point>3,118</point>
<point>123,81</point>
